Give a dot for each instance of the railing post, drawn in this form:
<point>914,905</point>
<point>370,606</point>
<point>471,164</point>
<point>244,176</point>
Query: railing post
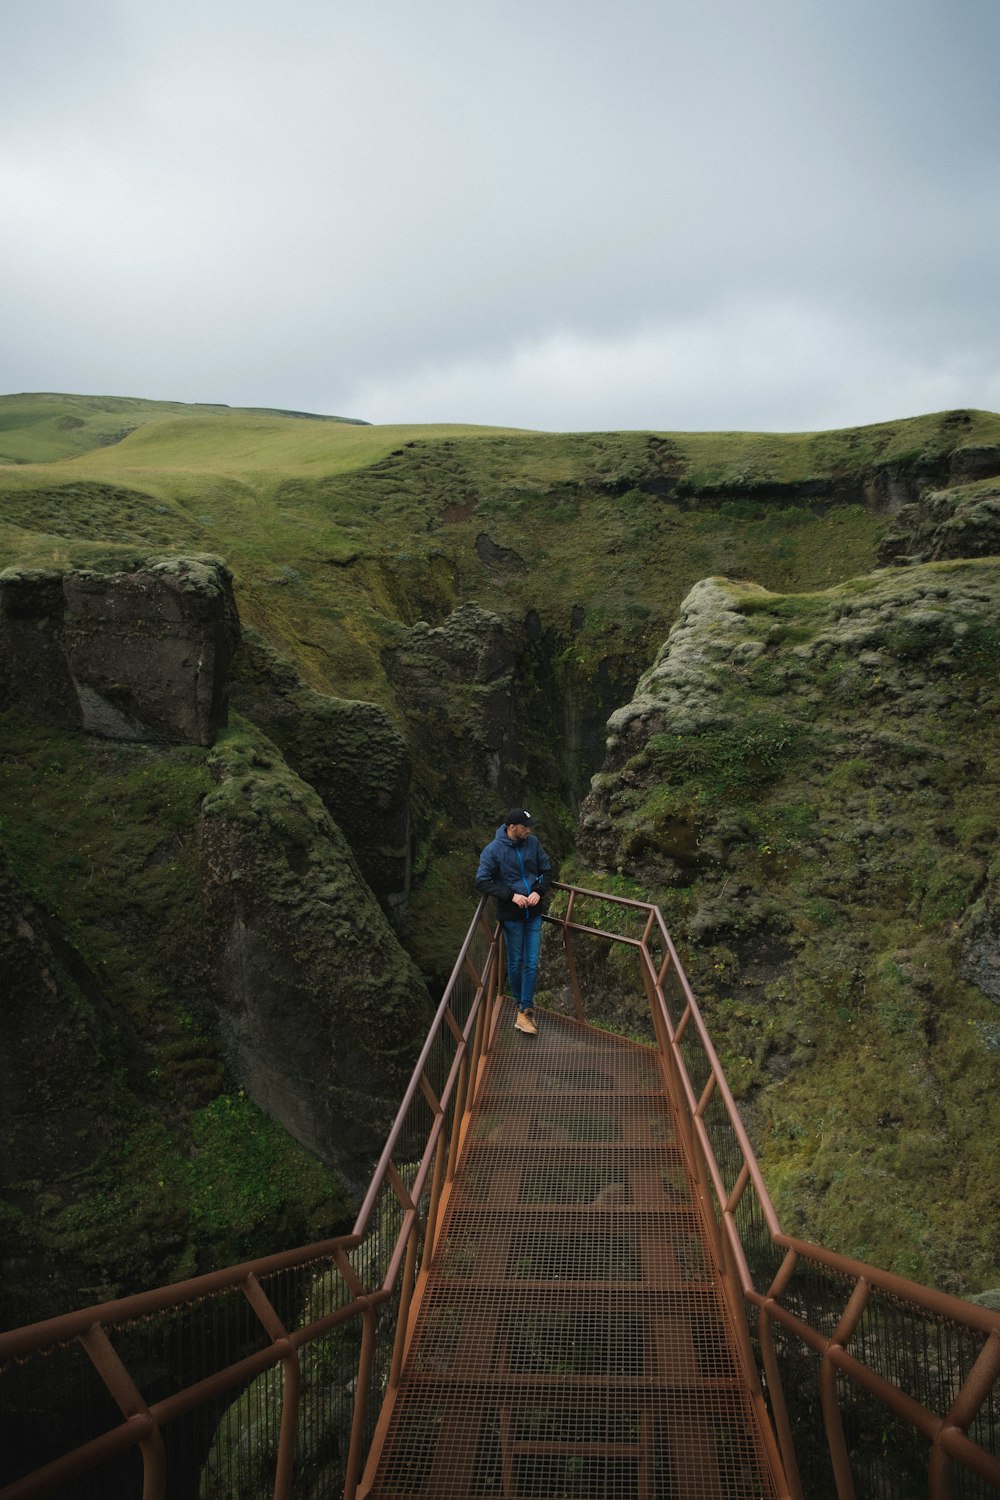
<point>458,1112</point>
<point>291,1385</point>
<point>122,1387</point>
<point>833,1420</point>
<point>772,1374</point>
<point>431,1228</point>
<point>406,1286</point>
<point>653,999</point>
<point>970,1398</point>
<point>354,1454</point>
<point>571,960</point>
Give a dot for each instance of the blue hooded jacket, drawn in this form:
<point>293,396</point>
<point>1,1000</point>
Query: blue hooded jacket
<point>506,868</point>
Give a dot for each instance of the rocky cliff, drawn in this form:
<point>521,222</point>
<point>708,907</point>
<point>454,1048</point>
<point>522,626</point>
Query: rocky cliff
<point>350,752</point>
<point>198,981</point>
<point>435,623</point>
<point>135,655</point>
<point>810,784</point>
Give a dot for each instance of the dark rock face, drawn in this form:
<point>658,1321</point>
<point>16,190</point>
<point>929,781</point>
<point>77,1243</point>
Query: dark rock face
<point>500,559</point>
<point>75,1119</point>
<point>320,1012</point>
<point>349,751</point>
<point>980,947</point>
<point>885,489</point>
<point>962,522</point>
<point>33,666</point>
<point>131,656</point>
<point>455,682</point>
<point>46,1111</point>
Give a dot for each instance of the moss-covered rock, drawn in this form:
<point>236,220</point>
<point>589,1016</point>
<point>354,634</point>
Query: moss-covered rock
<point>130,1157</point>
<point>134,655</point>
<point>178,926</point>
<point>352,753</point>
<point>810,785</point>
<point>454,682</point>
<point>320,1011</point>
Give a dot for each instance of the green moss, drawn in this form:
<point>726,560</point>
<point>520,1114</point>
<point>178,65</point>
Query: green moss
<point>825,920</point>
<point>106,835</point>
<point>191,1175</point>
<point>244,1171</point>
<point>442,905</point>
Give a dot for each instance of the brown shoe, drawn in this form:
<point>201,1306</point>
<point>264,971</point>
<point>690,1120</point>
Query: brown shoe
<point>525,1023</point>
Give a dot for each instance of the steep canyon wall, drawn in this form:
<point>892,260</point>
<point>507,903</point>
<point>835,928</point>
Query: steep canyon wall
<point>236,912</point>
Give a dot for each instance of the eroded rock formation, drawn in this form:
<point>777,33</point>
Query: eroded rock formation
<point>320,1011</point>
<point>351,752</point>
<point>809,785</point>
<point>131,656</point>
<point>217,945</point>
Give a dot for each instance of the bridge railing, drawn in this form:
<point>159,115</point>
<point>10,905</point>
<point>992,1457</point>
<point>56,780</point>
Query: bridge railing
<point>879,1389</point>
<point>292,1353</point>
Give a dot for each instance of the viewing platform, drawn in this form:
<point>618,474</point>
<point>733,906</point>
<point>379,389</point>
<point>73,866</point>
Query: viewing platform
<point>572,1337</point>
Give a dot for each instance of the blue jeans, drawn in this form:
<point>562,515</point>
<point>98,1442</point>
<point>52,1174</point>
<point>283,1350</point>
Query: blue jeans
<point>523,940</point>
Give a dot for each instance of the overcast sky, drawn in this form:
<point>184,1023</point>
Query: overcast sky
<point>561,214</point>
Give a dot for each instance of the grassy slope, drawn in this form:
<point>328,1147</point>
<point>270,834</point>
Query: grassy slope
<point>342,536</point>
<point>40,427</point>
<point>291,502</point>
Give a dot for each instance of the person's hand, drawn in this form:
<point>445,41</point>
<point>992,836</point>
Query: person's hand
<point>519,900</point>
<point>533,899</point>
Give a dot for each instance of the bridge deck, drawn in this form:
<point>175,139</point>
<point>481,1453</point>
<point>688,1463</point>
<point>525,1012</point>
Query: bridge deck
<point>572,1339</point>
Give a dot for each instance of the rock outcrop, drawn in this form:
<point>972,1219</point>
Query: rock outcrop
<point>192,960</point>
<point>809,784</point>
<point>351,752</point>
<point>320,1012</point>
<point>130,656</point>
<point>940,524</point>
<point>454,682</point>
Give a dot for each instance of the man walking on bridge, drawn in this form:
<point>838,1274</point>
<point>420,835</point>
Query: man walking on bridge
<point>515,870</point>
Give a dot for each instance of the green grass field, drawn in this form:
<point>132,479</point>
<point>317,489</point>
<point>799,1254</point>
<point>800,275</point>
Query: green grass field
<point>340,533</point>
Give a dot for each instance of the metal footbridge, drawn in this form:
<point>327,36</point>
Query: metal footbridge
<point>572,1337</point>
<point>566,1280</point>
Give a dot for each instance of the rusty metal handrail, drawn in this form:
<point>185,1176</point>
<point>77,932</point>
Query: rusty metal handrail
<point>89,1327</point>
<point>947,1432</point>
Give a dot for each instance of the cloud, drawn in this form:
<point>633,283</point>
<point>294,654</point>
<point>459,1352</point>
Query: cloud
<point>370,205</point>
<point>746,367</point>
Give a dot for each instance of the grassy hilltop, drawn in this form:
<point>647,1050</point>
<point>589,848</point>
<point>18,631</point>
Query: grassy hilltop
<point>340,533</point>
<point>497,592</point>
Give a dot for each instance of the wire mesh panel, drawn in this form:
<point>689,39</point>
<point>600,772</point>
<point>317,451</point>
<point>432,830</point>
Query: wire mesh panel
<point>56,1398</point>
<point>800,1379</point>
<point>239,1406</point>
<point>923,1359</point>
<point>985,1430</point>
<point>51,1400</point>
<point>242,1461</point>
<point>572,1340</point>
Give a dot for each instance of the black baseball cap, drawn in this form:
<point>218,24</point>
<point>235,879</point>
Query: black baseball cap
<point>518,815</point>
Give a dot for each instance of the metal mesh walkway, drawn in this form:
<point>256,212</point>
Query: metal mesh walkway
<point>571,1339</point>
